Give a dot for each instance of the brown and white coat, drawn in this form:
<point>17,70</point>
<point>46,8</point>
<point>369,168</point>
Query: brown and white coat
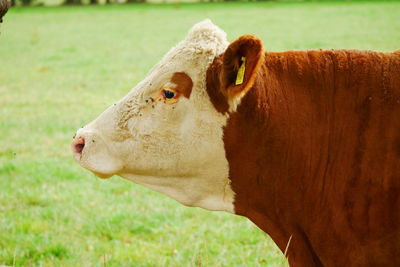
<point>307,146</point>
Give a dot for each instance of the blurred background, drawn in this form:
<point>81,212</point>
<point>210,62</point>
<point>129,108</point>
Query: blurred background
<point>62,62</point>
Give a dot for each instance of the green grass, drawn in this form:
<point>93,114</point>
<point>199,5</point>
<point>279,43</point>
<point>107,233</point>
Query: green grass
<point>60,67</point>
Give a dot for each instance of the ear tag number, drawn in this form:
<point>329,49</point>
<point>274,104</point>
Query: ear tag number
<point>240,74</point>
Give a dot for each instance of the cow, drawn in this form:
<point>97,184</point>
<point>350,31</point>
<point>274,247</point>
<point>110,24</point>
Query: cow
<point>4,6</point>
<point>306,144</point>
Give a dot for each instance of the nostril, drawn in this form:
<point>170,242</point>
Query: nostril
<point>79,144</point>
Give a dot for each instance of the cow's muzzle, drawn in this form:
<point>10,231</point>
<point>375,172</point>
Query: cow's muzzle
<point>92,152</point>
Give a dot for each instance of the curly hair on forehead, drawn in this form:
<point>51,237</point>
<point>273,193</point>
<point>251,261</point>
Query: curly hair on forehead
<point>4,6</point>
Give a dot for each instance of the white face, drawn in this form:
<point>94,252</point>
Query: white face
<point>166,134</point>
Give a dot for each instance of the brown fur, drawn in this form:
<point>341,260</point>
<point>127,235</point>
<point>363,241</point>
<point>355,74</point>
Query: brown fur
<point>213,86</point>
<point>314,154</point>
<point>4,6</point>
<point>184,83</point>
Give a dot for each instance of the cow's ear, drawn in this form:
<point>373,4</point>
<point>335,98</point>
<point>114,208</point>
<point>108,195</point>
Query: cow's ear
<point>241,63</point>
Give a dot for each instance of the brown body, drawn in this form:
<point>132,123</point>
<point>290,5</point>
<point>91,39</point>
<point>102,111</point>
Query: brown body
<point>314,155</point>
<point>4,6</point>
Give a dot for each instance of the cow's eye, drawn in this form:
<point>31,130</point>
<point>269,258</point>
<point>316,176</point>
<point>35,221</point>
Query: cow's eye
<point>169,94</point>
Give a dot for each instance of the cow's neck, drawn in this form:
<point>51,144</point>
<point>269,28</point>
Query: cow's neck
<point>313,153</point>
<point>265,157</point>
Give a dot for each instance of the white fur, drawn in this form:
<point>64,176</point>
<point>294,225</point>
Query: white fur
<point>175,147</point>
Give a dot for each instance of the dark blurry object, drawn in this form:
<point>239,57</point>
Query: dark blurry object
<point>72,2</point>
<point>4,5</point>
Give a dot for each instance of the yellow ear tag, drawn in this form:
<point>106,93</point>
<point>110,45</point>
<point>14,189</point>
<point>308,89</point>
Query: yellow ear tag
<point>240,74</point>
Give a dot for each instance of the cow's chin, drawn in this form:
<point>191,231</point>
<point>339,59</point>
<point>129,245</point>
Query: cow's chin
<point>100,172</point>
<point>102,167</point>
<point>103,175</point>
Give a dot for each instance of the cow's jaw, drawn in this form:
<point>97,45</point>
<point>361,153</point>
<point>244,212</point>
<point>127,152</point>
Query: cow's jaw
<point>207,187</point>
<point>176,149</point>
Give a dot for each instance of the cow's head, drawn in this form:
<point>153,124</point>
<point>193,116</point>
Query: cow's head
<point>167,133</point>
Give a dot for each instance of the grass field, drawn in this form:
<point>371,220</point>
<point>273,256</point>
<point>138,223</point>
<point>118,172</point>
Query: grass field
<point>60,67</point>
